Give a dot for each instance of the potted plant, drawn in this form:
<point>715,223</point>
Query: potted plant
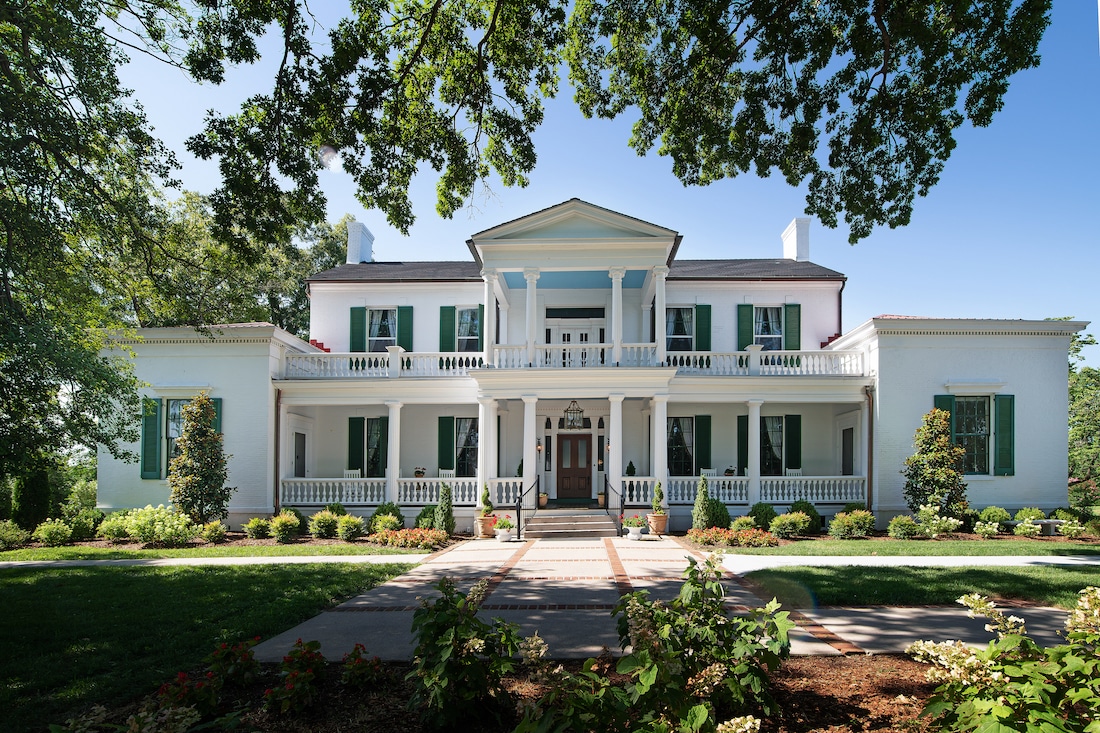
<point>630,471</point>
<point>505,528</point>
<point>633,526</point>
<point>729,471</point>
<point>658,520</point>
<point>419,472</point>
<point>485,519</point>
<point>544,499</point>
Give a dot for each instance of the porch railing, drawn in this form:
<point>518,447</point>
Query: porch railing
<point>321,491</point>
<point>520,502</point>
<point>727,489</point>
<point>424,491</point>
<point>399,363</point>
<point>637,490</point>
<point>815,489</point>
<point>503,491</point>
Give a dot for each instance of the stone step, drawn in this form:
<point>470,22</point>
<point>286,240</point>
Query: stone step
<point>570,524</point>
<point>550,532</point>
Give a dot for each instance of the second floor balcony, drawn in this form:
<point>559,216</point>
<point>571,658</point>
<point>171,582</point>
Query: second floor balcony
<point>397,363</point>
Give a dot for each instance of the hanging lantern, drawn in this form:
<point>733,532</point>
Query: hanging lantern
<point>574,416</point>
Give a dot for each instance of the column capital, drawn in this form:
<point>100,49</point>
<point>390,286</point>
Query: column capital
<point>754,403</point>
<point>616,273</point>
<point>658,398</point>
<point>616,397</point>
<point>529,399</point>
<point>394,404</point>
<point>660,271</point>
<point>530,274</point>
<point>487,401</point>
<point>489,275</point>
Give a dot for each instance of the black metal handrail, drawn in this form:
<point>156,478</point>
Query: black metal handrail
<point>610,492</point>
<point>519,507</point>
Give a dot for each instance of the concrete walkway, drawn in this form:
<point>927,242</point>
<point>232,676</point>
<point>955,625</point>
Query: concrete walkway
<point>566,589</point>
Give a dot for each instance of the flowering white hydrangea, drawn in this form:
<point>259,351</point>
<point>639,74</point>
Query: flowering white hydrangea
<point>954,661</point>
<point>987,530</point>
<point>1027,528</point>
<point>744,724</point>
<point>933,525</point>
<point>1085,618</point>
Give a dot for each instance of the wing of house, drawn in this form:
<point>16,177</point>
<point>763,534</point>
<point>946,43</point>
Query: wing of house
<point>573,352</point>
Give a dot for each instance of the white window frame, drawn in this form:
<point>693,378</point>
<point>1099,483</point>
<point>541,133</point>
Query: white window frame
<point>466,344</point>
<point>689,336</point>
<point>770,341</point>
<point>377,344</point>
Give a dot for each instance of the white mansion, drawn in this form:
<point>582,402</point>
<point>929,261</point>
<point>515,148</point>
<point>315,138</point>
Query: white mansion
<point>574,353</point>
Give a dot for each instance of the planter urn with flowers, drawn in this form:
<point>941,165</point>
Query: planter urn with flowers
<point>485,520</point>
<point>658,518</point>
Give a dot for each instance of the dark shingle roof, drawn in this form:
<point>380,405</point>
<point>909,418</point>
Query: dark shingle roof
<point>401,272</point>
<point>750,270</point>
<point>680,270</point>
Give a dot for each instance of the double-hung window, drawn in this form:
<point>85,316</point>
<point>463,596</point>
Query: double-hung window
<point>681,446</point>
<point>375,447</point>
<point>173,428</point>
<point>680,332</point>
<point>161,429</point>
<point>768,327</point>
<point>984,427</point>
<point>467,329</point>
<point>381,328</point>
<point>465,446</point>
<point>972,432</point>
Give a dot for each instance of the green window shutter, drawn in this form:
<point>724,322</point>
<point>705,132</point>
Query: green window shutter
<point>792,439</point>
<point>481,328</point>
<point>744,325</point>
<point>446,328</point>
<point>702,443</point>
<point>446,442</point>
<point>946,402</point>
<point>358,329</point>
<point>151,438</point>
<point>792,327</point>
<point>742,443</point>
<point>1004,458</point>
<point>405,327</point>
<point>217,414</point>
<point>702,328</point>
<point>384,443</point>
<point>356,440</point>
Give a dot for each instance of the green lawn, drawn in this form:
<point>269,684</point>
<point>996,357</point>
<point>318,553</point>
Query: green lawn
<point>79,552</point>
<point>805,587</point>
<point>968,548</point>
<point>73,637</point>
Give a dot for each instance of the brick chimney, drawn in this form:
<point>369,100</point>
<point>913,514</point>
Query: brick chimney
<point>360,243</point>
<point>796,240</point>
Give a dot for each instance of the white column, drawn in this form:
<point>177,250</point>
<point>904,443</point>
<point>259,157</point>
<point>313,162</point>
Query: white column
<point>660,438</point>
<point>490,435</point>
<point>614,467</point>
<point>754,451</point>
<point>483,438</point>
<point>754,359</point>
<point>393,450</point>
<point>660,273</point>
<point>531,275</point>
<point>489,328</point>
<point>530,455</point>
<point>616,274</point>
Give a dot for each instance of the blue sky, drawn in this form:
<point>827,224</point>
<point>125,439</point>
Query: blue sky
<point>1012,230</point>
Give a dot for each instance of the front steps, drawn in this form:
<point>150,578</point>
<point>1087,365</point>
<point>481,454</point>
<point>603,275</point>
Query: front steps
<point>551,524</point>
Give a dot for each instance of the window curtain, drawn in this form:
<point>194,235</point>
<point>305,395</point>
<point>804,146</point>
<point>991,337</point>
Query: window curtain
<point>466,440</point>
<point>681,440</point>
<point>375,467</point>
<point>769,322</point>
<point>381,327</point>
<point>771,446</point>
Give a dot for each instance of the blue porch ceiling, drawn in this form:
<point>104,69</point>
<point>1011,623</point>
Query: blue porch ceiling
<point>587,280</point>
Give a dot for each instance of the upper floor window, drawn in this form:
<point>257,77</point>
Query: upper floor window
<point>768,327</point>
<point>680,329</point>
<point>467,328</point>
<point>381,328</point>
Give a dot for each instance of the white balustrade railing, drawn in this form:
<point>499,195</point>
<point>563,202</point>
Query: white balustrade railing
<point>504,491</point>
<point>708,363</point>
<point>638,490</point>
<point>320,491</point>
<point>815,489</point>
<point>421,491</point>
<point>727,489</point>
<point>401,363</point>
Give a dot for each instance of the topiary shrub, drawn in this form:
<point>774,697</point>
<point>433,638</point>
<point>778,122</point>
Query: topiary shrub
<point>257,528</point>
<point>12,535</point>
<point>336,508</point>
<point>349,528</point>
<point>792,524</point>
<point>994,514</point>
<point>444,511</point>
<point>426,518</point>
<point>810,511</point>
<point>700,512</point>
<point>904,527</point>
<point>851,525</point>
<point>213,532</point>
<point>1029,512</point>
<point>322,525</point>
<point>387,508</point>
<point>114,527</point>
<point>763,513</point>
<point>53,533</point>
<point>717,513</point>
<point>284,528</point>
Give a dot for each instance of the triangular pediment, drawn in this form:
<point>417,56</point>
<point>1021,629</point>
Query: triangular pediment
<point>573,219</point>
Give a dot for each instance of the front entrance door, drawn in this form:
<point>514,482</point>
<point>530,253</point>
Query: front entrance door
<point>574,466</point>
